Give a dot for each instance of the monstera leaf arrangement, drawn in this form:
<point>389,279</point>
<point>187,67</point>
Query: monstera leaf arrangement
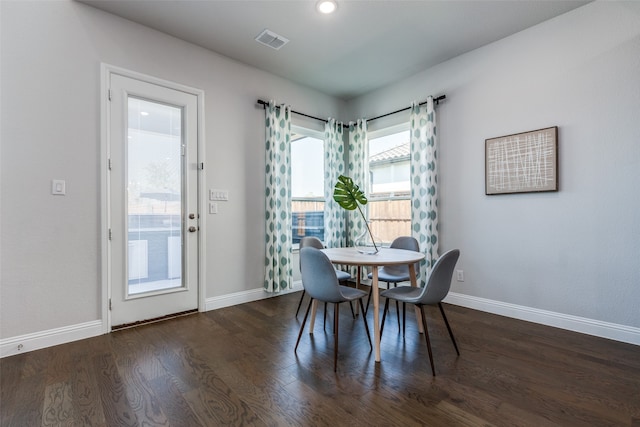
<point>349,196</point>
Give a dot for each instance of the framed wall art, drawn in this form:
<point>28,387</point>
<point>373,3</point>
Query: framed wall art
<point>522,163</point>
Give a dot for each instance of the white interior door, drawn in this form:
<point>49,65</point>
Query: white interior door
<point>153,200</point>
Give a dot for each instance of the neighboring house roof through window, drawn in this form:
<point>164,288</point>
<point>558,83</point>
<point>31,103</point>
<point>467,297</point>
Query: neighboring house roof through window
<point>396,154</point>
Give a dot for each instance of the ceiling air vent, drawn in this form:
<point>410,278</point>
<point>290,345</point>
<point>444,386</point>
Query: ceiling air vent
<point>271,39</point>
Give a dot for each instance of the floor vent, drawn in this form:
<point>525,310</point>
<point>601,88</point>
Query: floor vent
<point>271,39</point>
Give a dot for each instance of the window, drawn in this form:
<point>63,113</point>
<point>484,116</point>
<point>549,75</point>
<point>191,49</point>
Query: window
<point>390,183</point>
<point>389,192</point>
<point>307,183</point>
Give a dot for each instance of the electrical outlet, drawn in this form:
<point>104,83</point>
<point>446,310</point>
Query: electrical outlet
<point>58,187</point>
<point>460,275</point>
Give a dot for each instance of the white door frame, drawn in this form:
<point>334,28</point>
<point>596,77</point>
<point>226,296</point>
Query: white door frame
<point>105,271</point>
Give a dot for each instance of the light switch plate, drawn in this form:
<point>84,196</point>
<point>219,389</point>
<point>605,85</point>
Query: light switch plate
<point>215,194</point>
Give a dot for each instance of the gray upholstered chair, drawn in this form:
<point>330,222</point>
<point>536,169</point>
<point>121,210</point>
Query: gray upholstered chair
<point>397,273</point>
<point>321,283</point>
<point>436,289</point>
<point>314,242</point>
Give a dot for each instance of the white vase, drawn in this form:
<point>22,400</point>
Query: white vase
<point>365,244</point>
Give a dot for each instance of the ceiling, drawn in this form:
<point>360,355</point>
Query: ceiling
<point>364,45</point>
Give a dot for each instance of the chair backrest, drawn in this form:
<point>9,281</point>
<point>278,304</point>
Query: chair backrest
<point>439,281</point>
<point>311,241</point>
<point>318,276</point>
<point>403,242</point>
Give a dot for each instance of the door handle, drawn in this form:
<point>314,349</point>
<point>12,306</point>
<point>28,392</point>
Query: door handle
<point>192,229</point>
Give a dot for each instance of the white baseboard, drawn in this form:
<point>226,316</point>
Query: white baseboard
<point>49,338</point>
<point>583,325</point>
<point>246,296</point>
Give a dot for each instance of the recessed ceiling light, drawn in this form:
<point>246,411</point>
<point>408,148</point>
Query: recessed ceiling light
<point>326,6</point>
<point>144,113</point>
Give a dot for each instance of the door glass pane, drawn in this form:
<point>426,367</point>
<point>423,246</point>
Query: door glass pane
<point>154,196</point>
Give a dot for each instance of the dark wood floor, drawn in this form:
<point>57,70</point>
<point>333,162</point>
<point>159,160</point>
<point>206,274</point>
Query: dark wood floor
<point>236,367</point>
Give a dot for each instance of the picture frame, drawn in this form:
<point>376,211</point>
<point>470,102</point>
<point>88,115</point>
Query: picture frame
<point>524,162</point>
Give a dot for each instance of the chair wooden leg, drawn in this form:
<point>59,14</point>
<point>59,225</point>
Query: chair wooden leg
<point>335,337</point>
<point>384,316</point>
<point>303,323</point>
<point>446,322</point>
<point>300,303</point>
<point>426,337</point>
<point>366,325</point>
<point>353,313</point>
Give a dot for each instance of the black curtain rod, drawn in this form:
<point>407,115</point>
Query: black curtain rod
<point>265,103</point>
<point>436,100</point>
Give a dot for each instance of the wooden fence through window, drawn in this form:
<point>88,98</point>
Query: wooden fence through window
<point>389,218</point>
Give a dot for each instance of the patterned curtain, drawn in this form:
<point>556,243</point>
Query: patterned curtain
<point>335,234</point>
<point>424,182</point>
<point>278,239</point>
<point>358,171</point>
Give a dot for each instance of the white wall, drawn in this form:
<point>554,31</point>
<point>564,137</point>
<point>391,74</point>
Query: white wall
<point>574,252</point>
<point>50,85</point>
